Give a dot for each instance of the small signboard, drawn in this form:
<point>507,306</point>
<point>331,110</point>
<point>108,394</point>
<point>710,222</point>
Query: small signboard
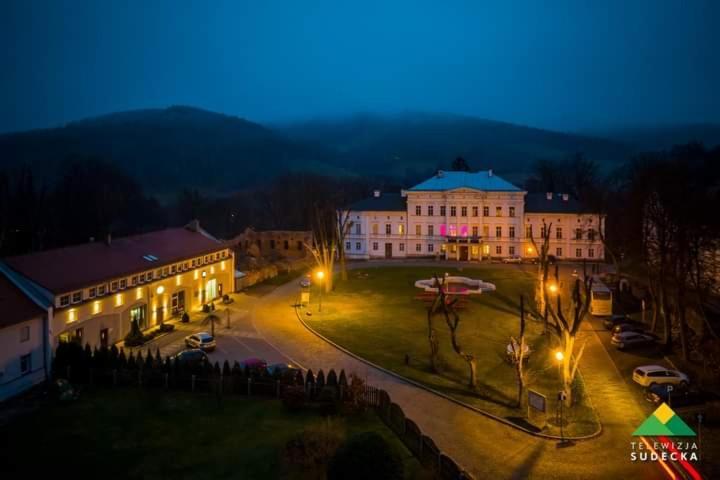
<point>304,297</point>
<point>537,409</point>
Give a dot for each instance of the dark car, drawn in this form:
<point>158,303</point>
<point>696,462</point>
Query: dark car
<point>628,327</point>
<point>610,322</point>
<point>675,396</point>
<point>191,357</point>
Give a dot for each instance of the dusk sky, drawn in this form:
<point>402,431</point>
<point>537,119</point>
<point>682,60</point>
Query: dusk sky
<point>566,65</point>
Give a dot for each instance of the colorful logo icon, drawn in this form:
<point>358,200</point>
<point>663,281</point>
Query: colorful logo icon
<point>664,422</point>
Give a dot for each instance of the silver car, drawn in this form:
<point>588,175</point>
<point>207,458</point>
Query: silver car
<point>203,340</point>
<point>627,339</point>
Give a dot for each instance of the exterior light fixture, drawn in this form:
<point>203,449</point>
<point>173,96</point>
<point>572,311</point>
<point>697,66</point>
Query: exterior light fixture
<point>204,274</point>
<point>559,356</point>
<point>160,290</point>
<point>553,288</point>
<point>320,274</point>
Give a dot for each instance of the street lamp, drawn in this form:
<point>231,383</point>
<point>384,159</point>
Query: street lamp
<point>320,275</point>
<point>559,356</point>
<point>553,288</point>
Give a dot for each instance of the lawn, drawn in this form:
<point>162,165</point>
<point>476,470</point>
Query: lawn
<point>129,433</point>
<point>375,315</point>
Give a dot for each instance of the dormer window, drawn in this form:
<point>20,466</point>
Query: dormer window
<point>165,272</point>
<point>123,284</point>
<point>101,290</point>
<point>65,300</point>
<point>113,286</point>
<point>77,297</point>
<point>91,292</point>
<point>134,281</point>
<point>172,269</point>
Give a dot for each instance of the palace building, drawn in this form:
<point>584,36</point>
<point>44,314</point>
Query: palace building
<point>470,216</point>
<point>92,292</point>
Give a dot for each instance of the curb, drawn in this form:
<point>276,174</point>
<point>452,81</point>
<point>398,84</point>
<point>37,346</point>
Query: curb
<point>445,396</point>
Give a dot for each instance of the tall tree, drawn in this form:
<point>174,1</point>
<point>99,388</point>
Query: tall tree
<point>460,165</point>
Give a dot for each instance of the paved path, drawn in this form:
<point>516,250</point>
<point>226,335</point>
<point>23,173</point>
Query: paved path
<point>483,446</point>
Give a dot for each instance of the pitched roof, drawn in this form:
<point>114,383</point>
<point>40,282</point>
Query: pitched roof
<point>483,180</point>
<point>539,203</point>
<point>16,307</point>
<point>386,202</point>
<point>65,269</point>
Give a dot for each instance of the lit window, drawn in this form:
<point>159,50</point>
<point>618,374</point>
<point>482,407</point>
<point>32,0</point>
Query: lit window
<point>72,315</point>
<point>97,307</point>
<point>375,228</point>
<point>418,230</point>
<point>138,293</point>
<point>486,231</point>
<point>401,229</point>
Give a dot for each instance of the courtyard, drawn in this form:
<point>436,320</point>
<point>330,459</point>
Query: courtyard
<point>377,315</point>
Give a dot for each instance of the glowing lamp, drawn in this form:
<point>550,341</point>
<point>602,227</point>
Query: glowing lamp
<point>559,356</point>
<point>319,274</point>
<point>160,290</point>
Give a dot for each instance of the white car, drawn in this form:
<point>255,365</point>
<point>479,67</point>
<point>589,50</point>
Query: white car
<point>628,339</point>
<point>512,260</point>
<point>203,340</point>
<point>305,283</point>
<point>649,375</point>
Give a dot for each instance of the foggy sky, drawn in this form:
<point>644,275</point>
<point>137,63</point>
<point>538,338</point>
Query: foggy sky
<point>555,64</point>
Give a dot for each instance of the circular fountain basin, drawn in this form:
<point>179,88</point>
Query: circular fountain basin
<point>457,285</point>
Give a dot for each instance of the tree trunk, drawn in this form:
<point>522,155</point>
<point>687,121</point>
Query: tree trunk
<point>433,340</point>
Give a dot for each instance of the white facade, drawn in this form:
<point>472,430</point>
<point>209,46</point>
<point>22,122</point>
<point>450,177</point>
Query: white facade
<point>468,223</point>
<point>23,359</point>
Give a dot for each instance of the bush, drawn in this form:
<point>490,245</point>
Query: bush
<point>315,446</point>
<point>185,317</point>
<point>166,327</point>
<point>134,337</point>
<point>293,398</point>
<point>366,455</point>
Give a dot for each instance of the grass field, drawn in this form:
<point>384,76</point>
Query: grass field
<point>375,315</point>
<point>128,433</point>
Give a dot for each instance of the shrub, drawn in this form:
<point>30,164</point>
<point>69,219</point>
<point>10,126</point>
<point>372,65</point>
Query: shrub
<point>366,455</point>
<point>206,308</point>
<point>315,446</point>
<point>185,317</point>
<point>293,398</point>
<point>134,337</point>
<point>166,327</point>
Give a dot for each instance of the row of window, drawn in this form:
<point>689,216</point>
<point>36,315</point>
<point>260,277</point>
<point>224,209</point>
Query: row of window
<point>463,211</point>
<point>559,233</point>
<point>498,249</point>
<point>273,244</point>
<point>122,284</point>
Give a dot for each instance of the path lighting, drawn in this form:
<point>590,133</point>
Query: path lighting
<point>529,250</point>
<point>553,288</point>
<point>320,275</point>
<point>559,356</point>
<point>160,290</point>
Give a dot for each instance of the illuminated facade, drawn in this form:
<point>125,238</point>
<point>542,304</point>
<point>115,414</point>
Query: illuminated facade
<point>470,217</point>
<point>97,289</point>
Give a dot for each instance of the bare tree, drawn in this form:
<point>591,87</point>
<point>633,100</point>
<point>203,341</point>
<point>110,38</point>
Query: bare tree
<point>344,224</point>
<point>517,351</point>
<point>543,255</point>
<point>324,246</point>
<point>567,325</point>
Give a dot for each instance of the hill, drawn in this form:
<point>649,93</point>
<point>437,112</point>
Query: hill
<point>166,149</point>
<point>664,136</point>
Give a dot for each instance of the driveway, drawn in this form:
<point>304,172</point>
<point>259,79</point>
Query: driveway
<point>484,447</point>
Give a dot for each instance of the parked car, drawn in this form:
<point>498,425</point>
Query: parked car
<point>305,282</point>
<point>610,322</point>
<point>623,340</point>
<point>203,340</point>
<point>628,327</point>
<point>674,395</point>
<point>192,357</point>
<point>651,375</point>
<point>285,371</point>
<point>514,259</point>
<point>254,364</point>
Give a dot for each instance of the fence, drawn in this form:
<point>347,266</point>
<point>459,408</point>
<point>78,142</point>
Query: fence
<point>113,367</point>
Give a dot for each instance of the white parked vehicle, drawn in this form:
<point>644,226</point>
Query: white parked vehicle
<point>203,340</point>
<point>649,375</point>
<point>628,339</point>
<point>305,282</point>
<point>512,260</point>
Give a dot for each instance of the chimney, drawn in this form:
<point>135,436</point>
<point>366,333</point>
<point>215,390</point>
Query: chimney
<point>108,240</point>
<point>376,193</point>
<point>548,195</point>
<point>193,226</point>
<point>565,197</point>
<point>490,173</point>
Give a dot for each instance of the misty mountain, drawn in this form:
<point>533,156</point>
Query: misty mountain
<point>412,145</point>
<point>166,149</point>
<point>664,137</point>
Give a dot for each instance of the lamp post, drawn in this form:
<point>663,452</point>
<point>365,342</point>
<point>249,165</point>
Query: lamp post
<point>559,357</point>
<point>320,275</point>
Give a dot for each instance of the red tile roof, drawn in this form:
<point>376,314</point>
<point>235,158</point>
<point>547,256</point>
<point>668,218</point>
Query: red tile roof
<point>15,306</point>
<point>71,268</point>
